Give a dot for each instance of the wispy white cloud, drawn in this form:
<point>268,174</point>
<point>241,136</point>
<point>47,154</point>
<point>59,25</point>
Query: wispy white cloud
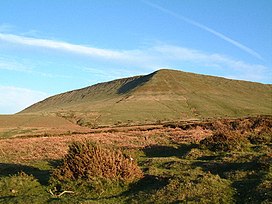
<point>150,58</point>
<point>206,61</point>
<point>184,54</point>
<point>14,99</point>
<point>206,28</point>
<point>59,45</point>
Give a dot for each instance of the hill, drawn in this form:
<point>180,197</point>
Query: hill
<point>160,96</point>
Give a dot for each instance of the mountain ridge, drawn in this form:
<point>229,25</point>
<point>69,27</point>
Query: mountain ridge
<point>162,95</point>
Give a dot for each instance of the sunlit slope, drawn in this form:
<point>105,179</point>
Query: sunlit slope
<point>162,95</point>
<point>33,121</point>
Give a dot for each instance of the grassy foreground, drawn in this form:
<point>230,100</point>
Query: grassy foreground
<point>223,161</point>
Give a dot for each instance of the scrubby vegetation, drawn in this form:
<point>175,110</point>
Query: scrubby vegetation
<point>94,170</point>
<point>233,164</point>
<point>224,142</point>
<point>238,134</point>
<point>90,161</point>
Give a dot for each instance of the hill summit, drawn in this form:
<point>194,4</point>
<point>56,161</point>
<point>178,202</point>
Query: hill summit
<point>160,96</point>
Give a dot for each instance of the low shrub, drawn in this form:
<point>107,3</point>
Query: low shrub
<point>257,139</point>
<point>91,162</point>
<point>224,141</point>
<point>195,153</point>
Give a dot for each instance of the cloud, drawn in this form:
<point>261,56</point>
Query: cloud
<point>14,99</point>
<point>205,61</point>
<point>59,45</point>
<point>206,28</point>
<point>148,59</point>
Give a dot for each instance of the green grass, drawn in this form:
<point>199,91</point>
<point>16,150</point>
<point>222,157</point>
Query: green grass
<point>22,188</point>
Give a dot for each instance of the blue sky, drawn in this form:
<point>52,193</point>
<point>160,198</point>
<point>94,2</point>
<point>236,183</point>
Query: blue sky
<point>49,47</point>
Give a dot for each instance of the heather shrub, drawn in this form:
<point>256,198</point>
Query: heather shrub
<point>225,141</point>
<point>264,138</point>
<point>91,162</point>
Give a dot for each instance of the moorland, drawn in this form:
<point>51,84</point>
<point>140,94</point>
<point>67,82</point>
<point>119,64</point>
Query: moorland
<point>166,137</point>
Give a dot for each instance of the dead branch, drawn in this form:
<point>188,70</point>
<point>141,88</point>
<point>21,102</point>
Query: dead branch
<point>59,195</point>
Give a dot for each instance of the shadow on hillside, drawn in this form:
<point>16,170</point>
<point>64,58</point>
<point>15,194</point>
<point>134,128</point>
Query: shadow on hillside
<point>134,83</point>
<point>144,186</point>
<point>222,168</point>
<point>168,151</point>
<point>247,189</point>
<point>9,169</point>
<point>148,183</point>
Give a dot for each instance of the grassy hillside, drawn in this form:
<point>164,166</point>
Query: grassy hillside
<point>18,121</point>
<point>160,96</point>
